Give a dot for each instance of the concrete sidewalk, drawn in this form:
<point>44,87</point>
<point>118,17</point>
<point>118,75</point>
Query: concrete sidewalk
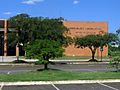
<point>7,59</point>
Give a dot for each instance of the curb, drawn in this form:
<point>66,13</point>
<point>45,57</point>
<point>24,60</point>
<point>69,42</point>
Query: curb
<point>17,64</point>
<point>59,82</point>
<point>57,63</point>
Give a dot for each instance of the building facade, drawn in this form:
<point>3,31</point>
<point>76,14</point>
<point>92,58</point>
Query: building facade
<point>81,29</point>
<point>77,28</point>
<point>4,49</point>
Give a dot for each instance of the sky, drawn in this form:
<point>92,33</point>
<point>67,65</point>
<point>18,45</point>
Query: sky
<point>70,10</point>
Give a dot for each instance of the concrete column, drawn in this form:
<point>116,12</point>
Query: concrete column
<point>5,37</point>
<point>17,48</point>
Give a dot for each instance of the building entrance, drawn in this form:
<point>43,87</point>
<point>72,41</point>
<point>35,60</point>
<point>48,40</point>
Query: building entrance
<point>1,43</point>
<point>11,50</point>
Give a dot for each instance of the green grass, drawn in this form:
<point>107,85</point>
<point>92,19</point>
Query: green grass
<point>76,57</point>
<point>79,57</point>
<point>54,75</point>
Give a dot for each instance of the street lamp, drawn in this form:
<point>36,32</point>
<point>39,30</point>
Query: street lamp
<point>101,49</point>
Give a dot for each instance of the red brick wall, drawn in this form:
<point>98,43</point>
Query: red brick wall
<point>78,28</point>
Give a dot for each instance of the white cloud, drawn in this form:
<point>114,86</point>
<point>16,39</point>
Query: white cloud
<point>32,1</point>
<point>18,13</point>
<point>7,13</point>
<point>75,2</point>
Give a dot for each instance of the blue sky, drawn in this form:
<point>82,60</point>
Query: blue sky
<point>71,10</point>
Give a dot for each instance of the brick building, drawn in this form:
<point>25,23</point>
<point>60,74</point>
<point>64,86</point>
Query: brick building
<point>77,28</point>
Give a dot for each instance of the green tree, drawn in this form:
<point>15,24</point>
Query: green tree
<point>113,38</point>
<point>18,30</point>
<point>51,31</point>
<point>114,50</point>
<point>92,42</point>
<point>113,42</point>
<point>19,25</point>
<point>29,29</point>
<point>43,50</point>
<point>118,34</point>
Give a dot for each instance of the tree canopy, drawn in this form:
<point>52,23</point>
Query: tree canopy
<point>118,34</point>
<point>32,28</point>
<point>44,50</point>
<point>20,29</point>
<point>113,38</point>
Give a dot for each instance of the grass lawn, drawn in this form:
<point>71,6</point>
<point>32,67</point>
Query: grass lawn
<point>76,57</point>
<point>54,75</point>
<point>79,57</point>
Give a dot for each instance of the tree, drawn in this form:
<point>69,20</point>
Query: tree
<point>18,36</point>
<point>29,29</point>
<point>19,33</point>
<point>118,31</point>
<point>118,34</point>
<point>51,29</point>
<point>113,38</point>
<point>113,43</point>
<point>114,50</point>
<point>52,33</point>
<point>92,42</point>
<point>44,50</point>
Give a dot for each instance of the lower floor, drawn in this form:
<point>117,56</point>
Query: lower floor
<point>6,50</point>
<point>73,51</point>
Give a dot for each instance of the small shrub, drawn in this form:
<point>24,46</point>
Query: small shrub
<point>114,63</point>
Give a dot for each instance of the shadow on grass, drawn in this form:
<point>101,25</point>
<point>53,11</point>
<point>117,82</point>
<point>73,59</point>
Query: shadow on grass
<point>19,61</point>
<point>93,60</point>
<point>49,69</point>
<point>115,71</point>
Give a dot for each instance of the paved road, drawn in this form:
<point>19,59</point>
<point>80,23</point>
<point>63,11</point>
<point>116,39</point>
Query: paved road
<point>66,67</point>
<point>93,86</point>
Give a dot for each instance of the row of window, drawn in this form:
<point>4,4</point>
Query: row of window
<point>81,28</point>
<point>87,32</point>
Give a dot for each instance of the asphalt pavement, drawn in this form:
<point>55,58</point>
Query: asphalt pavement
<point>91,86</point>
<point>7,69</point>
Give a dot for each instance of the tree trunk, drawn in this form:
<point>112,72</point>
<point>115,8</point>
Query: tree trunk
<point>93,55</point>
<point>46,66</point>
<point>93,52</point>
<point>46,63</point>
